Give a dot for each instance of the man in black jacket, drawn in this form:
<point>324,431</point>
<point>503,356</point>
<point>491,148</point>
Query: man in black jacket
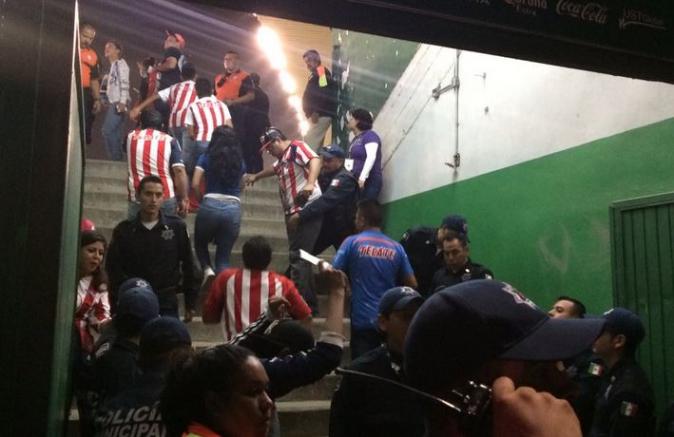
<point>319,101</point>
<point>365,407</point>
<point>337,204</point>
<point>458,265</point>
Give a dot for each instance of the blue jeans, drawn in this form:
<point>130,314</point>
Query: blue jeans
<point>113,133</point>
<point>219,221</point>
<point>179,133</point>
<point>167,208</point>
<point>371,189</point>
<point>192,150</point>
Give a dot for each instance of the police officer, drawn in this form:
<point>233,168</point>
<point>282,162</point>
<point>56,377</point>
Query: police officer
<point>156,247</point>
<point>423,245</point>
<point>458,265</point>
<point>135,410</point>
<point>625,400</point>
<point>361,407</point>
<point>337,205</point>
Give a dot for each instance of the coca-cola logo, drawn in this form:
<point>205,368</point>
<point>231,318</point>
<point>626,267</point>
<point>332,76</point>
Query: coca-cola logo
<point>528,7</point>
<point>591,12</point>
<point>634,17</point>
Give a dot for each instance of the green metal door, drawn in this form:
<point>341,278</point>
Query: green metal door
<point>642,246</point>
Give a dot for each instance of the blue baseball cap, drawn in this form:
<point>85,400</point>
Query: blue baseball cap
<point>398,298</point>
<point>163,334</point>
<point>133,283</point>
<point>464,326</point>
<point>139,302</point>
<point>456,223</point>
<point>332,151</point>
<point>625,322</point>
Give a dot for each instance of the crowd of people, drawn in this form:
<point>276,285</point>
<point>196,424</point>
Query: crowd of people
<point>438,346</point>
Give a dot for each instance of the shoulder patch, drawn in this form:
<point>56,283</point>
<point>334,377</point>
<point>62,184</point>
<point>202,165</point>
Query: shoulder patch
<point>334,183</point>
<point>629,409</point>
<point>595,369</point>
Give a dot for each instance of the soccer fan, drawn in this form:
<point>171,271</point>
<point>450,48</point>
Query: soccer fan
<point>201,118</point>
<point>319,101</point>
<point>156,247</point>
<point>118,99</point>
<point>374,263</point>
<point>237,297</point>
<point>91,77</point>
<point>179,97</point>
<point>152,152</point>
<point>297,168</point>
<point>362,407</point>
<point>495,345</point>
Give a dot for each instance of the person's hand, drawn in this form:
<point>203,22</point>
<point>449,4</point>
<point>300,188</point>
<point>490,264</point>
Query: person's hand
<point>121,107</point>
<point>524,412</point>
<point>182,207</point>
<point>314,117</point>
<point>302,197</point>
<point>134,114</point>
<point>278,307</point>
<point>97,106</point>
<point>293,221</point>
<point>249,179</point>
<point>361,184</point>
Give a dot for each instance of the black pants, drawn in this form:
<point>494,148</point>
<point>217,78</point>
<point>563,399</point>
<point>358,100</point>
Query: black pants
<point>89,115</point>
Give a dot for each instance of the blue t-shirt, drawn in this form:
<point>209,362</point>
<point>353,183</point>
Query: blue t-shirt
<point>216,184</point>
<point>358,153</point>
<point>374,263</point>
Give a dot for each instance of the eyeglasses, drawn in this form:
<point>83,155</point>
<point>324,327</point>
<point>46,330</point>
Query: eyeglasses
<point>471,401</point>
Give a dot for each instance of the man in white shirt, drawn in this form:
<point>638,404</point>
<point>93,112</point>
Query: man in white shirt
<point>117,91</point>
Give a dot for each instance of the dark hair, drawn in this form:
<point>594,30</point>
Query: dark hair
<point>99,276</point>
<point>578,307</point>
<point>255,78</point>
<point>192,382</point>
<point>188,71</point>
<point>312,54</point>
<point>150,119</point>
<point>232,52</point>
<point>363,118</point>
<point>256,253</point>
<point>631,343</point>
<point>370,211</point>
<point>116,43</point>
<point>203,87</point>
<point>225,156</point>
<point>150,179</point>
<point>149,62</point>
<point>453,235</point>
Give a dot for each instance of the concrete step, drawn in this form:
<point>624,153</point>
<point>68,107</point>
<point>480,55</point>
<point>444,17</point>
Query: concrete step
<point>103,168</point>
<point>320,390</point>
<point>304,418</point>
<point>213,332</point>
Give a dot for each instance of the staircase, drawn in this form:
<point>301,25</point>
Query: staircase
<point>304,412</point>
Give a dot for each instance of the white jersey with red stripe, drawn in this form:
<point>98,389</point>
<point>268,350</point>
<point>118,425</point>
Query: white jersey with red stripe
<point>205,114</point>
<point>151,152</point>
<point>292,171</point>
<point>242,295</point>
<point>179,97</point>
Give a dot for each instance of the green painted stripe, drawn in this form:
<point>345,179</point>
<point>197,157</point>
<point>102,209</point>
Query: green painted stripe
<point>543,225</point>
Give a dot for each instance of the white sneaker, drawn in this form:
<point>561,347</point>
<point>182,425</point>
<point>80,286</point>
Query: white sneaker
<point>209,275</point>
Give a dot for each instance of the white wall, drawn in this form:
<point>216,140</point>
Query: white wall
<point>510,111</point>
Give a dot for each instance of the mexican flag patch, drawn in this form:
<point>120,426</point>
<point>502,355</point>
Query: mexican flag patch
<point>595,369</point>
<point>628,409</point>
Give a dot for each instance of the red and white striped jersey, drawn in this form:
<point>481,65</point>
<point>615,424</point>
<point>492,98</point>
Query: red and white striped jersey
<point>152,152</point>
<point>238,297</point>
<point>205,114</point>
<point>93,309</point>
<point>292,171</point>
<point>179,97</point>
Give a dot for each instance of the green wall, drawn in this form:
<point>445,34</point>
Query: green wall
<point>543,225</point>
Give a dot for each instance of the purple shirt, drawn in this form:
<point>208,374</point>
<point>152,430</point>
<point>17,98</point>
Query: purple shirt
<point>358,153</point>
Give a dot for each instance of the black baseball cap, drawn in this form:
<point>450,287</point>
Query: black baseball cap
<point>162,335</point>
<point>397,298</point>
<point>464,326</point>
<point>133,283</point>
<point>138,302</point>
<point>270,135</point>
<point>625,322</point>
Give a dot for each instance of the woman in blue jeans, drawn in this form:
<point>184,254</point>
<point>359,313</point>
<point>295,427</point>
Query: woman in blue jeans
<point>219,216</point>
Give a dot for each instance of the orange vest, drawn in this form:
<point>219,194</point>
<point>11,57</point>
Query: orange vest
<point>88,61</point>
<point>231,84</point>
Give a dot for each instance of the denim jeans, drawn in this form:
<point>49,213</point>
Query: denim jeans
<point>167,208</point>
<point>191,153</point>
<point>218,221</point>
<point>179,133</point>
<point>113,133</point>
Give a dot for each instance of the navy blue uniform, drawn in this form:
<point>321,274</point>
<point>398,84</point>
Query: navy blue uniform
<point>444,278</point>
<point>625,404</point>
<point>361,407</point>
<point>337,206</point>
<point>115,368</point>
<point>422,250</point>
<point>161,255</point>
